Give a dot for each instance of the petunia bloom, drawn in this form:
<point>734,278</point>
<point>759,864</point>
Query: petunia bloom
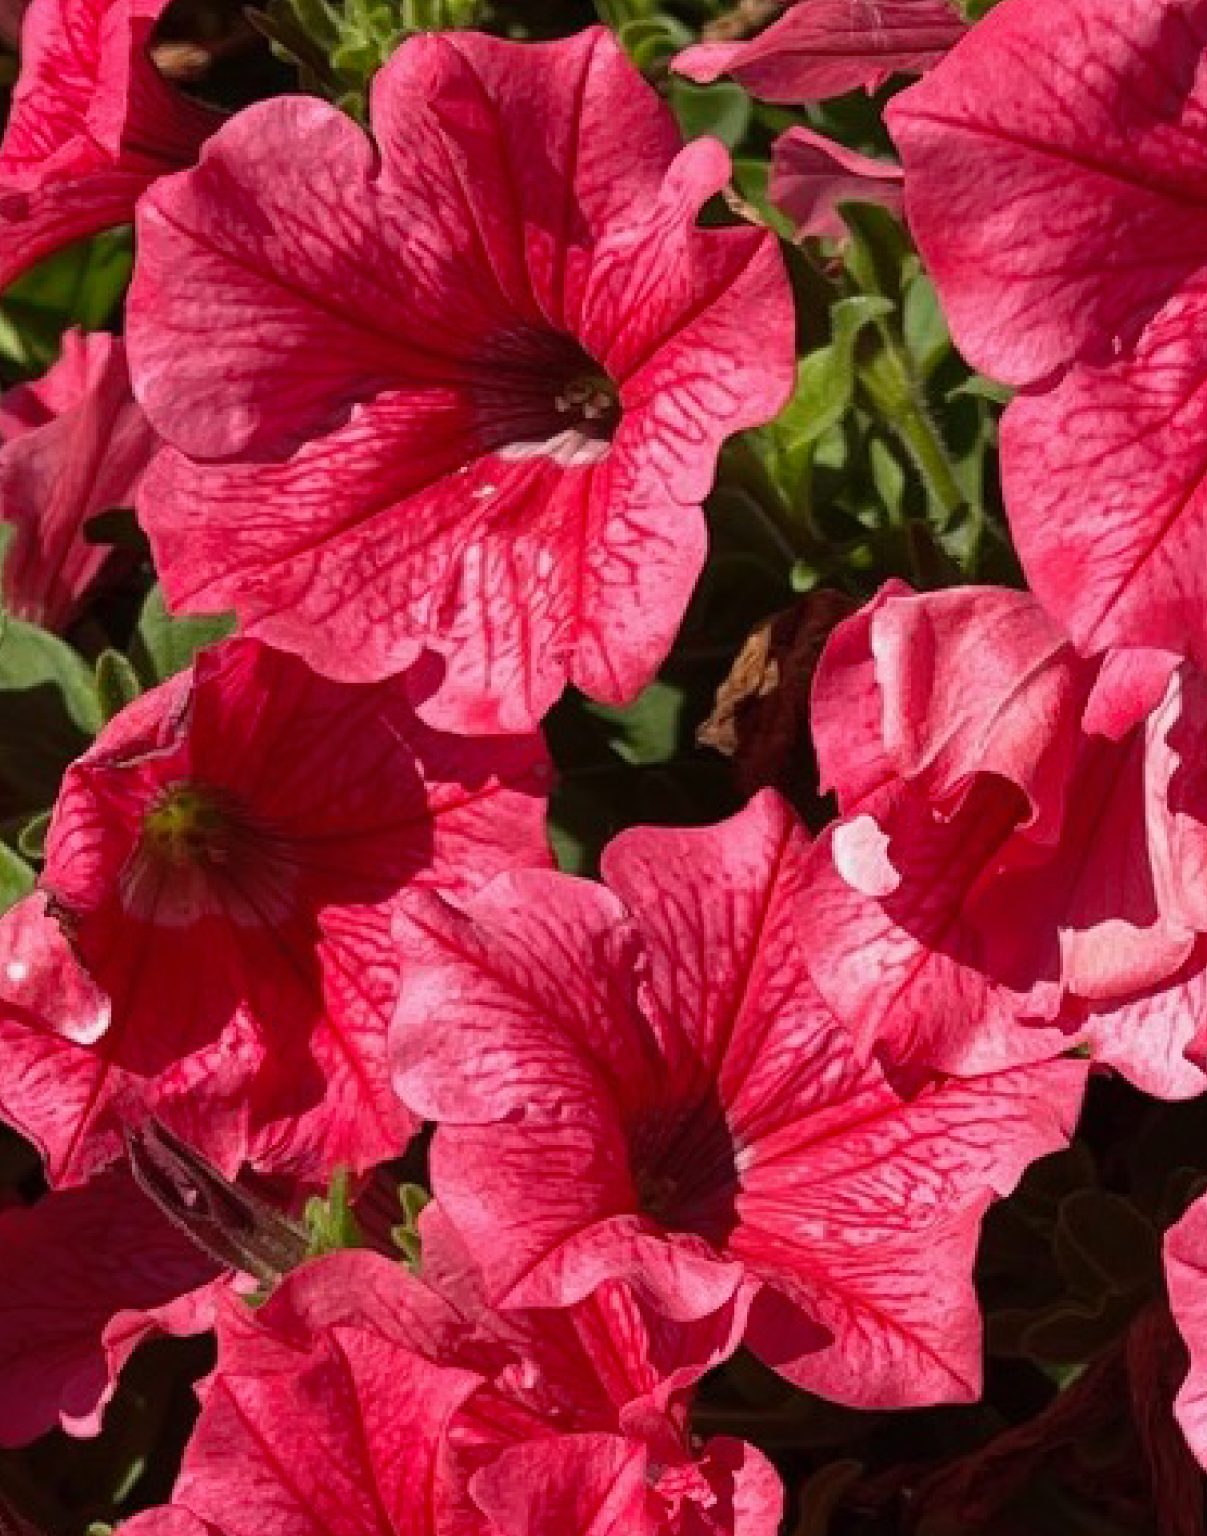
<point>1186,1279</point>
<point>210,941</point>
<point>72,444</point>
<point>638,1081</point>
<point>587,1407</point>
<point>92,126</point>
<point>1065,225</point>
<point>811,176</point>
<point>462,391</point>
<point>823,48</point>
<point>421,1411</point>
<point>321,1409</point>
<point>1017,861</point>
<point>85,1275</point>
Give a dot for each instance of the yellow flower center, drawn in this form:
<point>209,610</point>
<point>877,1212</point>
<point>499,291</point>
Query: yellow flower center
<point>187,825</point>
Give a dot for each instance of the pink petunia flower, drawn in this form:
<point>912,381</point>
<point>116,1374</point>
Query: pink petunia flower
<point>638,1081</point>
<point>322,1409</point>
<point>85,1275</point>
<point>463,390</point>
<point>1056,174</point>
<point>211,937</point>
<point>811,176</point>
<point>72,444</point>
<point>1018,858</point>
<point>549,1424</point>
<point>1186,1279</point>
<point>92,126</point>
<point>823,48</point>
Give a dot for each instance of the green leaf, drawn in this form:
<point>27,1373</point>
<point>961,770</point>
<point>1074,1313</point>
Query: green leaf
<point>164,645</point>
<point>721,111</point>
<point>981,388</point>
<point>619,13</point>
<point>31,839</point>
<point>1105,1246</point>
<point>648,729</point>
<point>413,1199</point>
<point>16,877</point>
<point>825,391</point>
<point>652,42</point>
<point>49,711</point>
<point>80,285</point>
<point>337,48</point>
<point>116,682</point>
<point>330,1223</point>
<point>888,476</point>
<point>878,254</point>
<point>924,326</point>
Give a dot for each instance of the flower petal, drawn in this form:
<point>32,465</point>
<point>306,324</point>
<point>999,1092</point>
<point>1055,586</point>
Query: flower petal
<point>1063,213</point>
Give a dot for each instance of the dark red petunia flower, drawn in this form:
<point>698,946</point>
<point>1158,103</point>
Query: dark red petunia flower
<point>92,126</point>
<point>638,1081</point>
<point>72,444</point>
<point>463,389</point>
<point>210,941</point>
<point>85,1275</point>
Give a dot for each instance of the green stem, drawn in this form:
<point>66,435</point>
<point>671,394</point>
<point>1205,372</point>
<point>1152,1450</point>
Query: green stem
<point>889,384</point>
<point>741,466</point>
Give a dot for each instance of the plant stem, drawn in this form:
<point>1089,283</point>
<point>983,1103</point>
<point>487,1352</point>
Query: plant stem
<point>888,381</point>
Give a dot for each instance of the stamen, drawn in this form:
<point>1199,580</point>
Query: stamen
<point>199,853</point>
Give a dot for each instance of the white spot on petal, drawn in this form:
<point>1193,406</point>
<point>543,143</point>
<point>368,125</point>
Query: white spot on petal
<point>860,851</point>
<point>568,450</point>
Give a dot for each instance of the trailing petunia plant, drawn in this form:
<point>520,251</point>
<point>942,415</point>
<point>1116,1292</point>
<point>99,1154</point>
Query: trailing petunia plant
<point>603,768</point>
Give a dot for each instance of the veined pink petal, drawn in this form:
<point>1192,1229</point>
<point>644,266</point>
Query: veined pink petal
<point>168,1520</point>
<point>1104,481</point>
<point>846,709</point>
<point>909,968</point>
<point>92,126</point>
<point>1155,1039</point>
<point>601,1485</point>
<point>532,944</point>
<point>941,718</point>
<point>812,175</point>
<point>587,1485</point>
<point>1186,1278</point>
<point>371,1414</point>
<point>622,1362</point>
<point>85,456</point>
<point>822,48</point>
<point>72,1101</point>
<point>891,1287</point>
<point>1106,126</point>
<point>493,442</point>
<point>1129,687</point>
<point>86,1274</point>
